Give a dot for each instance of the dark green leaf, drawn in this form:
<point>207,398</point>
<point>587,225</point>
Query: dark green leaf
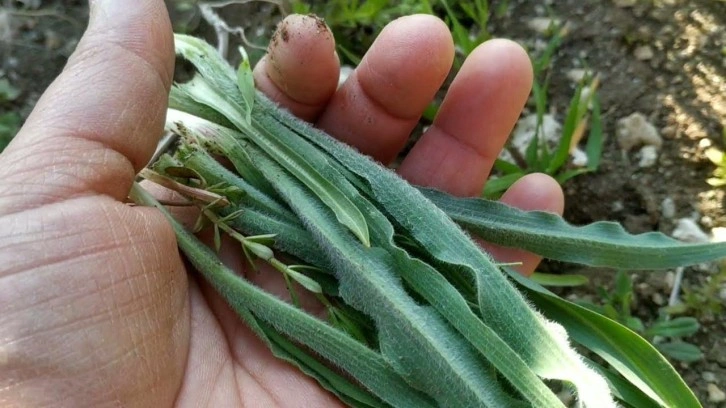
<point>681,351</point>
<point>678,327</point>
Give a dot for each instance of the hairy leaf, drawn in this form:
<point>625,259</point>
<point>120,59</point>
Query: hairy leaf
<point>599,244</point>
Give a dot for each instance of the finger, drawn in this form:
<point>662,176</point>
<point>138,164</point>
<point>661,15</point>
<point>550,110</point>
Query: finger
<point>301,68</point>
<point>534,192</point>
<point>479,111</point>
<point>99,121</point>
<point>382,100</point>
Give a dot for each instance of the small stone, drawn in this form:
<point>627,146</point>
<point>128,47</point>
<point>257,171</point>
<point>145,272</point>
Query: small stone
<point>644,53</point>
<point>708,376</point>
<point>668,208</point>
<point>625,3</point>
<point>715,394</point>
<point>648,156</point>
<point>704,143</point>
<point>635,130</point>
<point>526,128</point>
<point>577,75</point>
<point>579,157</point>
<point>719,234</point>
<point>688,231</point>
<point>658,299</point>
<point>543,25</point>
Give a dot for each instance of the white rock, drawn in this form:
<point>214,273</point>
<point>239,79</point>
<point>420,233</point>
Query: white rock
<point>586,96</point>
<point>715,394</point>
<point>635,130</point>
<point>550,132</point>
<point>708,376</point>
<point>668,208</point>
<point>542,24</point>
<point>644,53</point>
<point>648,156</point>
<point>523,133</point>
<point>688,231</point>
<point>579,157</point>
<point>719,234</point>
<point>576,75</point>
<point>625,3</point>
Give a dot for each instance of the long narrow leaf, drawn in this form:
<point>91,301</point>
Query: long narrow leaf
<point>563,148</point>
<point>541,344</point>
<point>218,88</point>
<point>598,244</point>
<point>364,364</point>
<point>595,138</point>
<point>412,338</point>
<point>628,353</point>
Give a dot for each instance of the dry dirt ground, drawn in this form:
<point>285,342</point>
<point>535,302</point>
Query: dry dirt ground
<point>663,58</point>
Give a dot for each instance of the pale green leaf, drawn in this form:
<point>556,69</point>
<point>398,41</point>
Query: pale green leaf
<point>540,344</point>
<point>246,83</point>
<point>213,89</point>
<point>415,341</point>
<point>598,244</point>
<point>628,353</point>
<point>367,366</point>
<point>305,281</point>
<point>566,280</point>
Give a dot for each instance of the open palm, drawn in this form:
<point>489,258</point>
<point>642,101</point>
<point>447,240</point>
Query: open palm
<point>97,306</point>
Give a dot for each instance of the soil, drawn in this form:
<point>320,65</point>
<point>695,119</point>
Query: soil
<point>680,88</point>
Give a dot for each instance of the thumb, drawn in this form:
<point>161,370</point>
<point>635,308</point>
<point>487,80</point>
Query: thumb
<point>99,121</point>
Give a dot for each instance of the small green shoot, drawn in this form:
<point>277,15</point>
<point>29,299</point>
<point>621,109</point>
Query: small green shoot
<point>583,112</point>
<point>664,333</point>
<point>705,301</point>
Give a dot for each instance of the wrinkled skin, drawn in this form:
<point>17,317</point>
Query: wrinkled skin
<point>98,308</point>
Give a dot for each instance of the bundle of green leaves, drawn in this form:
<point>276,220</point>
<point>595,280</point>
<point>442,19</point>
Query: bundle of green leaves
<point>418,314</point>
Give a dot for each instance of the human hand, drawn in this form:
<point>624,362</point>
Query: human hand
<point>97,308</point>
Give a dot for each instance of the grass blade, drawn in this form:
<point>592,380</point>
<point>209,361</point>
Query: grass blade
<point>595,139</point>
